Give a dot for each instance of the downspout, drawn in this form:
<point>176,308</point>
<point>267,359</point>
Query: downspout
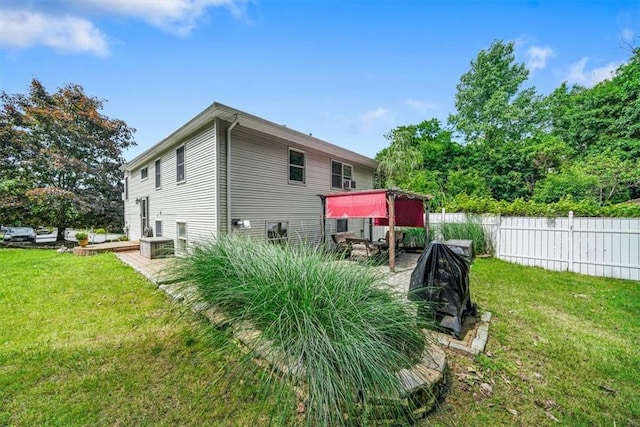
<point>229,129</point>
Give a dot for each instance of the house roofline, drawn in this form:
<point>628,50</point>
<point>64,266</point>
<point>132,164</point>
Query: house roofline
<point>252,122</point>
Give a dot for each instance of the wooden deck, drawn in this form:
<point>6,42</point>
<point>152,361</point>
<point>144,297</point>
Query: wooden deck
<point>107,247</point>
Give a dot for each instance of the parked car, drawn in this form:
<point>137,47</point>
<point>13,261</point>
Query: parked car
<point>20,234</point>
<point>43,230</point>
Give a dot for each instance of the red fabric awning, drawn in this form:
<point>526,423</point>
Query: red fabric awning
<point>371,204</point>
<point>409,213</point>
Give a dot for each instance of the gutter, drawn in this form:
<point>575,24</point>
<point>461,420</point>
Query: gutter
<point>229,129</point>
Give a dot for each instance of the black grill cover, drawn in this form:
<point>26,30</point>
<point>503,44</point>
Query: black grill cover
<point>441,278</point>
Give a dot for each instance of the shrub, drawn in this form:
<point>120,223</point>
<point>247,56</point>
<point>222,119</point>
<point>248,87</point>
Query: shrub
<point>82,235</point>
<point>123,238</point>
<point>101,231</point>
<point>520,207</point>
<point>470,230</point>
<point>414,237</point>
<point>345,332</point>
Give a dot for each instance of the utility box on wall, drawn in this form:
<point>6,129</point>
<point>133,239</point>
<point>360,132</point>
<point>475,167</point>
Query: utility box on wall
<point>156,247</point>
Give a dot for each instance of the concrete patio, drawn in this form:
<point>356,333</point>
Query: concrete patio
<point>473,340</point>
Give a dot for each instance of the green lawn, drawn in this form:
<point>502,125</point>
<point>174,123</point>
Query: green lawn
<point>87,341</point>
<point>561,345</point>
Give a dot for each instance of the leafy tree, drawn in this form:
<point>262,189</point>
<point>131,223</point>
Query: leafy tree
<point>491,106</point>
<point>571,182</point>
<point>399,160</point>
<point>467,181</point>
<point>66,154</point>
<point>415,149</point>
<point>606,115</point>
<point>496,117</point>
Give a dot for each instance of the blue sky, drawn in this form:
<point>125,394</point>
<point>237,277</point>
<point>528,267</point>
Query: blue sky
<point>346,71</point>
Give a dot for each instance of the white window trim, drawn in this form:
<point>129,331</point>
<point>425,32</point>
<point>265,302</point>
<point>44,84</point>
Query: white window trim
<point>184,164</point>
<point>185,238</point>
<point>304,168</point>
<point>342,178</point>
<point>155,225</point>
<point>146,177</point>
<point>155,174</point>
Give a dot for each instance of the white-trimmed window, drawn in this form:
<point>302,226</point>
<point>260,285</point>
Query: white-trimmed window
<point>277,232</point>
<point>180,164</point>
<point>144,173</point>
<point>158,174</point>
<point>340,172</point>
<point>158,228</point>
<point>181,237</point>
<point>297,162</point>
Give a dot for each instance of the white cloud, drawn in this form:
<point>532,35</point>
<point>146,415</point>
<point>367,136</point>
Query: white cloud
<point>419,106</point>
<point>23,29</point>
<point>64,24</point>
<point>537,57</point>
<point>367,120</point>
<point>627,35</point>
<point>175,16</point>
<point>578,74</point>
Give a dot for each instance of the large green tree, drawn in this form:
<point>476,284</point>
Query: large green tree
<point>419,158</point>
<point>491,105</point>
<point>604,116</point>
<point>602,126</point>
<point>495,117</point>
<point>66,154</point>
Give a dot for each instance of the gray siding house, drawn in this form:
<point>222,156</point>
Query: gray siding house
<point>226,171</point>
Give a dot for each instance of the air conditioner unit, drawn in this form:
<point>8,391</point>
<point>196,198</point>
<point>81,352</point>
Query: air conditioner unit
<point>349,184</point>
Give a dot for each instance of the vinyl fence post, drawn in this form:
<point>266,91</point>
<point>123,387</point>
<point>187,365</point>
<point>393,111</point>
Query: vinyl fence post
<point>442,217</point>
<point>497,235</point>
<point>570,251</point>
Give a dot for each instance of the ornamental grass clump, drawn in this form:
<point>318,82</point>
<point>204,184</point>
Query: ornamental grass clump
<point>342,334</point>
<point>470,230</point>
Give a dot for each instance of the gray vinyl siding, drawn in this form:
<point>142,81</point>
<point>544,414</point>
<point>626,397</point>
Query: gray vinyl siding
<point>192,201</point>
<point>261,192</point>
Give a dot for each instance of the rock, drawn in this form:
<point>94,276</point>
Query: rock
<point>551,417</point>
<point>486,389</point>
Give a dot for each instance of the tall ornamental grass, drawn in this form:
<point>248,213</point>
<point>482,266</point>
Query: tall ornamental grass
<point>342,334</point>
<point>414,237</point>
<point>469,230</point>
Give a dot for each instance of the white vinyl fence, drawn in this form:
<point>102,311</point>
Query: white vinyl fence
<point>608,247</point>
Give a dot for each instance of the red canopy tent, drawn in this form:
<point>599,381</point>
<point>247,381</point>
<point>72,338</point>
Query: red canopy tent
<point>387,207</point>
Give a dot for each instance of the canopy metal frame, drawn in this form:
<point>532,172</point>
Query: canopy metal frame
<point>392,195</point>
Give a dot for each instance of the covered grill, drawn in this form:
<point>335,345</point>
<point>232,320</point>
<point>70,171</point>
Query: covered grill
<point>441,281</point>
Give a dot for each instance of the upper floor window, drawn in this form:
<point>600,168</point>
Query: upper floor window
<point>296,166</point>
<point>341,172</point>
<point>144,173</point>
<point>180,164</point>
<point>158,177</point>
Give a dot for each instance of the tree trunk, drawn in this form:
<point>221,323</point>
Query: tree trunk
<point>61,231</point>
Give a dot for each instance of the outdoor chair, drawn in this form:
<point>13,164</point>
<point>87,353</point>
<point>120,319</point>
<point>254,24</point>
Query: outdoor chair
<point>340,240</point>
<point>384,243</point>
<point>362,248</point>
